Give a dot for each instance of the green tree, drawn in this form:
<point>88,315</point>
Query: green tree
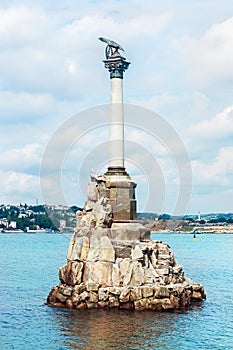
<point>23,223</point>
<point>164,217</point>
<point>44,221</point>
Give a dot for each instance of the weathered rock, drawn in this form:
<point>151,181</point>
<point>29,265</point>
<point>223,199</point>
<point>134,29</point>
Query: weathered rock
<point>116,277</point>
<point>69,304</point>
<point>66,290</point>
<point>175,301</point>
<point>75,300</point>
<point>166,304</point>
<point>163,270</point>
<point>129,231</point>
<point>115,290</point>
<point>103,294</point>
<point>125,270</point>
<point>197,295</point>
<point>161,292</point>
<point>138,276</point>
<point>81,306</point>
<point>141,304</point>
<point>136,253</point>
<point>62,298</point>
<point>102,212</point>
<point>85,248</point>
<point>73,274</point>
<point>91,305</point>
<point>84,295</point>
<point>79,288</point>
<point>147,291</point>
<point>151,276</point>
<point>94,251</point>
<point>107,252</point>
<point>124,296</point>
<point>92,286</point>
<point>70,249</point>
<point>52,297</point>
<point>164,257</point>
<point>198,292</point>
<point>92,191</point>
<point>113,301</point>
<point>93,297</point>
<point>76,249</point>
<point>135,293</point>
<point>99,272</point>
<point>122,251</point>
<point>177,269</point>
<point>103,304</point>
<point>62,274</point>
<point>153,258</point>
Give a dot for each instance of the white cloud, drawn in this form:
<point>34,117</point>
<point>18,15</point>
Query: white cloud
<point>18,187</point>
<point>217,127</point>
<point>216,172</point>
<point>25,104</point>
<point>43,53</point>
<point>15,181</point>
<point>125,25</point>
<point>210,57</point>
<point>20,25</point>
<point>156,102</point>
<point>22,158</point>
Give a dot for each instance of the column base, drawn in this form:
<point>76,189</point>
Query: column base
<point>115,170</point>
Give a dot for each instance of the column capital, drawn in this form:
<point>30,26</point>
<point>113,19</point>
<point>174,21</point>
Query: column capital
<point>116,65</point>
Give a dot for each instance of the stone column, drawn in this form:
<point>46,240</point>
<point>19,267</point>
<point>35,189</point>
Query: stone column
<point>120,187</point>
<point>116,135</point>
<point>116,64</point>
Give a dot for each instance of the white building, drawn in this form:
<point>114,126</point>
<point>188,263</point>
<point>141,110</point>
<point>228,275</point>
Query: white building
<point>62,225</point>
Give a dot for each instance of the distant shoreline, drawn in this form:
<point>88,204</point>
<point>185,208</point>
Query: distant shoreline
<point>192,233</point>
<point>152,231</point>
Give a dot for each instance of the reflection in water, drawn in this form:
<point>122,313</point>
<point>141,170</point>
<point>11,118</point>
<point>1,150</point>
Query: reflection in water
<point>114,329</point>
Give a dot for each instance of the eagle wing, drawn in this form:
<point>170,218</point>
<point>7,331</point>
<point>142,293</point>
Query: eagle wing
<point>112,43</point>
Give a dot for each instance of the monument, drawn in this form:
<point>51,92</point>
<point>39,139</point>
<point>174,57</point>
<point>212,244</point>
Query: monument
<point>121,187</point>
<point>111,262</point>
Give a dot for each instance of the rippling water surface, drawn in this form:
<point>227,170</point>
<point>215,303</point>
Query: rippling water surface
<point>29,268</point>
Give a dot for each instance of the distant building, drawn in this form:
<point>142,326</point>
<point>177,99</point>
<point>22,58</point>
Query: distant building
<point>22,215</point>
<point>4,222</point>
<point>58,207</point>
<point>13,224</point>
<point>62,225</point>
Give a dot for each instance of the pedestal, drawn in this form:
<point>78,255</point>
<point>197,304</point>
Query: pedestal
<point>122,198</point>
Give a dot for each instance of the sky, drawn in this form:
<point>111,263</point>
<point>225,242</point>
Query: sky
<point>54,93</point>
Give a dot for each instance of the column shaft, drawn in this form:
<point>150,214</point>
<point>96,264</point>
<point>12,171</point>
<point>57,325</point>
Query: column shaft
<point>116,125</point>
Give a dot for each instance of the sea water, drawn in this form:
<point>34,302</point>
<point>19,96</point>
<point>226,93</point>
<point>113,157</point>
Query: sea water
<point>29,268</point>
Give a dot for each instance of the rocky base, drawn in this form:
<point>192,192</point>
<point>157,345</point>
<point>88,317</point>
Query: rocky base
<point>147,297</point>
<point>124,274</point>
<point>115,264</point>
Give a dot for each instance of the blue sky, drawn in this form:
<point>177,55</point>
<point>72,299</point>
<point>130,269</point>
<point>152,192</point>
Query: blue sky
<point>51,68</point>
